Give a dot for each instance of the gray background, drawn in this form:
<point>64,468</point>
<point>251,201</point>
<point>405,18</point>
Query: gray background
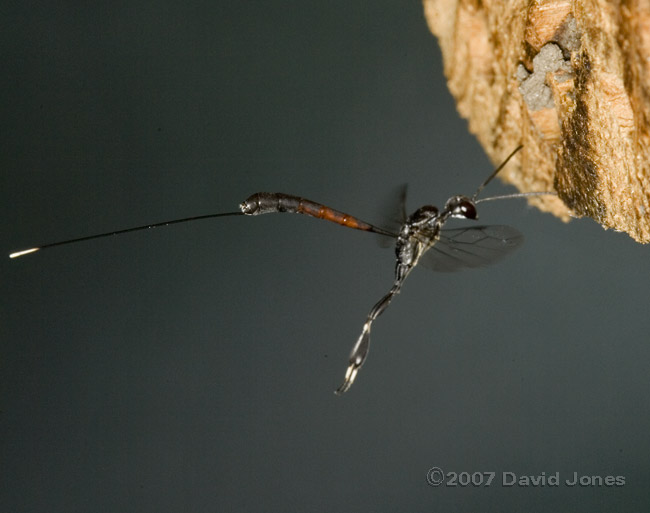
<point>192,368</point>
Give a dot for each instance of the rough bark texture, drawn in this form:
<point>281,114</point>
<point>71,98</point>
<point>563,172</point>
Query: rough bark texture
<point>570,80</point>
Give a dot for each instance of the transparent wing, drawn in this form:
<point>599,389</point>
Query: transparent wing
<point>476,246</point>
<point>393,211</point>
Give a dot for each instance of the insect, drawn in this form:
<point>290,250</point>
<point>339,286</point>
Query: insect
<point>420,239</point>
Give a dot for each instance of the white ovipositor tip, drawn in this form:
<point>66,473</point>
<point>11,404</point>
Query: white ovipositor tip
<point>23,252</point>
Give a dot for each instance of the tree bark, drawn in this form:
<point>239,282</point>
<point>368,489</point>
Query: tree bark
<point>568,79</point>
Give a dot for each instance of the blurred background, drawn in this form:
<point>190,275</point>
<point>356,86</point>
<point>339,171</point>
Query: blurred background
<point>191,368</point>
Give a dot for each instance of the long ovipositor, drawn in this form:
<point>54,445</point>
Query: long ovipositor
<point>258,203</point>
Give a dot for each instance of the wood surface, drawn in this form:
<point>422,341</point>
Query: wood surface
<point>570,80</point>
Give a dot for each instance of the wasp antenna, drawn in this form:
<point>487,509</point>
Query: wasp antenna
<point>517,195</point>
<point>495,172</point>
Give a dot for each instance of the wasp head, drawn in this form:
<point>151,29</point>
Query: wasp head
<point>461,207</point>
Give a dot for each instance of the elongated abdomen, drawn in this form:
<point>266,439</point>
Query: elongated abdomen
<point>271,202</point>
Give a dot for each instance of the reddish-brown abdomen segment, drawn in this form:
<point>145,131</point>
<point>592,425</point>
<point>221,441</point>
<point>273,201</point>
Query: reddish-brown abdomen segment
<point>271,202</point>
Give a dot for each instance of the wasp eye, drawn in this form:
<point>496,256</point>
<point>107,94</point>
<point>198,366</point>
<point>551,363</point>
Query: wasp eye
<point>467,210</point>
<point>461,206</point>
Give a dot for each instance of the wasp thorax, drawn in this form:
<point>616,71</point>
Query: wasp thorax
<point>424,215</point>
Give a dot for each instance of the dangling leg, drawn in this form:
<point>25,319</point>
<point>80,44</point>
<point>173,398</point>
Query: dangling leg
<point>360,349</point>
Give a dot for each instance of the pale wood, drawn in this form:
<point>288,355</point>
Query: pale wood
<point>570,80</point>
